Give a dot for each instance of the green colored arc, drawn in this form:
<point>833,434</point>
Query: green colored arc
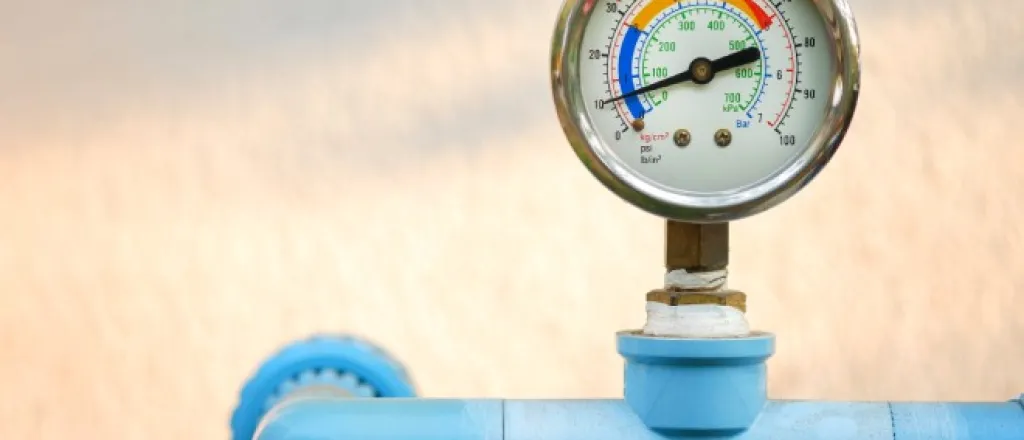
<point>758,74</point>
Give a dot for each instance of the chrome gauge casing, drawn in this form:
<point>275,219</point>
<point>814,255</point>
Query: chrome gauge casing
<point>567,53</point>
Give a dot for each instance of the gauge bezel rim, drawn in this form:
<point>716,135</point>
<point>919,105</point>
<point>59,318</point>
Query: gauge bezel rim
<point>602,162</point>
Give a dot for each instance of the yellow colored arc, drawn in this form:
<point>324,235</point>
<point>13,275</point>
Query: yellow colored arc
<point>655,7</point>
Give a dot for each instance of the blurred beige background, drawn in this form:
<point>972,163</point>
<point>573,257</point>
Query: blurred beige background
<point>186,185</point>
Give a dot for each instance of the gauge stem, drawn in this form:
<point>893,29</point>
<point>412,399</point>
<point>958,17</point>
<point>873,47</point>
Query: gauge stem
<point>695,302</point>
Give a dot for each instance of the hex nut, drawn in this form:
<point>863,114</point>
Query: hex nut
<point>696,247</point>
<point>675,297</point>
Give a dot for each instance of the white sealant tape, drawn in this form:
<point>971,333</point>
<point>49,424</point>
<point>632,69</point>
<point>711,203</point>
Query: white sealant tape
<point>682,279</point>
<point>695,321</point>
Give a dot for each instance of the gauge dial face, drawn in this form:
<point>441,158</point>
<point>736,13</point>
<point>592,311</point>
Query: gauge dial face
<point>707,98</point>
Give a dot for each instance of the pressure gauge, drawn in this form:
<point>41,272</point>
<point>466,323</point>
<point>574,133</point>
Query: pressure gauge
<point>705,110</point>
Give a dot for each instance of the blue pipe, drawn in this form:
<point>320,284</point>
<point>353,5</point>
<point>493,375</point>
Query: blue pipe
<point>675,388</point>
<point>430,419</point>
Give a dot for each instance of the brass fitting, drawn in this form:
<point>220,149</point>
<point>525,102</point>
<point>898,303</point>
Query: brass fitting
<point>675,297</point>
<point>696,247</point>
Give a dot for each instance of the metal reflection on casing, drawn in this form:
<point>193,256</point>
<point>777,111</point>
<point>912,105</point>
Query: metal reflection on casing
<point>611,171</point>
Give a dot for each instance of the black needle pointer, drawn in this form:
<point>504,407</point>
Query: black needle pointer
<point>701,71</point>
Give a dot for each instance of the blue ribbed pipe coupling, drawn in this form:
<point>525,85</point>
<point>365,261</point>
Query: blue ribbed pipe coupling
<point>343,364</point>
<point>696,387</point>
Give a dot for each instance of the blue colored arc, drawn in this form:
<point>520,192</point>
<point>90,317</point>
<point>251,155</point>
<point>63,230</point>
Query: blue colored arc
<point>636,108</point>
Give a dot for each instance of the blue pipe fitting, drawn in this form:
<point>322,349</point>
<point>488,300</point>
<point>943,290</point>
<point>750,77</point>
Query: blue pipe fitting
<point>351,365</point>
<point>699,387</point>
